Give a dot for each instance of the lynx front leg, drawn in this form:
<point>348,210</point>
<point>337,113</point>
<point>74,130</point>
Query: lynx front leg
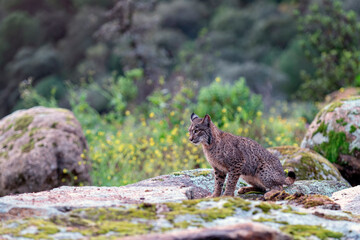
<point>219,182</point>
<point>231,182</point>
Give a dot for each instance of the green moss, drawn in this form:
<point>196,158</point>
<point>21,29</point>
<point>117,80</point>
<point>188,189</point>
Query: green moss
<point>8,128</point>
<point>14,137</point>
<point>122,228</point>
<point>352,129</point>
<point>321,129</point>
<point>23,122</point>
<point>98,221</point>
<point>28,146</point>
<point>234,203</point>
<point>351,98</point>
<point>290,210</point>
<point>337,144</point>
<point>177,173</point>
<point>270,220</point>
<point>189,207</point>
<point>183,224</point>
<point>143,211</point>
<point>33,131</point>
<point>44,228</point>
<point>266,207</point>
<point>333,106</point>
<point>341,121</point>
<point>202,173</point>
<point>4,155</point>
<point>40,138</point>
<point>157,179</point>
<point>302,231</point>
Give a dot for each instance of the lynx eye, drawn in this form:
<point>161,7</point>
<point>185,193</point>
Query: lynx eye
<point>196,131</point>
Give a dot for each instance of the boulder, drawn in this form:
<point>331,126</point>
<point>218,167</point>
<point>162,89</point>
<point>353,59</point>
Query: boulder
<point>342,93</point>
<point>335,134</point>
<point>41,148</point>
<point>307,164</point>
<point>348,199</point>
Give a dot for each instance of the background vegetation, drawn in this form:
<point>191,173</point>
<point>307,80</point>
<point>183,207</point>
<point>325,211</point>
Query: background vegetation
<point>134,71</point>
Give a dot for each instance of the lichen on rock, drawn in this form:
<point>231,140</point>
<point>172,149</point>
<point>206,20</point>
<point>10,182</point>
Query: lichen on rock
<point>34,151</point>
<point>307,164</point>
<point>335,134</point>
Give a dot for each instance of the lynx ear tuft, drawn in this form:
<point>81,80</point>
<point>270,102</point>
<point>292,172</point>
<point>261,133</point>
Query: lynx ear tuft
<point>193,116</point>
<point>207,120</point>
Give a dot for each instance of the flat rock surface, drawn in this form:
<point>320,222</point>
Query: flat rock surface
<point>348,199</point>
<point>161,206</point>
<point>179,186</point>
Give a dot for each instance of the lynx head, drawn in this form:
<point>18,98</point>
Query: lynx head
<point>199,129</point>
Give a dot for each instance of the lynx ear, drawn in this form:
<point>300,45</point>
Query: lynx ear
<point>193,116</point>
<point>207,120</point>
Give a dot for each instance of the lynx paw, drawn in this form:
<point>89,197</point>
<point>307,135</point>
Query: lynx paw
<point>213,195</point>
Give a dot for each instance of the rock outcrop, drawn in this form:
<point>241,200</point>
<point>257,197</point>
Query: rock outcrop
<point>335,134</point>
<point>348,199</point>
<point>307,164</point>
<point>41,148</point>
<point>163,208</point>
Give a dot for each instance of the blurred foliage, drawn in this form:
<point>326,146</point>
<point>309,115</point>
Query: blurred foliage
<point>154,140</point>
<point>225,102</point>
<point>16,30</point>
<point>134,71</point>
<point>331,40</point>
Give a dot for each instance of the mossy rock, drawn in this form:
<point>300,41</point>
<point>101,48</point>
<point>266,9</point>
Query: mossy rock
<point>37,151</point>
<point>307,164</point>
<point>342,93</point>
<point>335,134</point>
<point>146,218</point>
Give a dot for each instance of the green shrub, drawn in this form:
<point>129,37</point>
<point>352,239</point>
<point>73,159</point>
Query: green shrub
<point>232,20</point>
<point>18,29</point>
<point>292,62</point>
<point>228,102</point>
<point>332,38</point>
<point>187,16</point>
<point>51,82</point>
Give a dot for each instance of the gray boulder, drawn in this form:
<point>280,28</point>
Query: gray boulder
<point>335,134</point>
<point>348,199</point>
<point>41,148</point>
<point>307,164</point>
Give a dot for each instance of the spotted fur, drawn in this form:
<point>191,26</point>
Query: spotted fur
<point>236,157</point>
